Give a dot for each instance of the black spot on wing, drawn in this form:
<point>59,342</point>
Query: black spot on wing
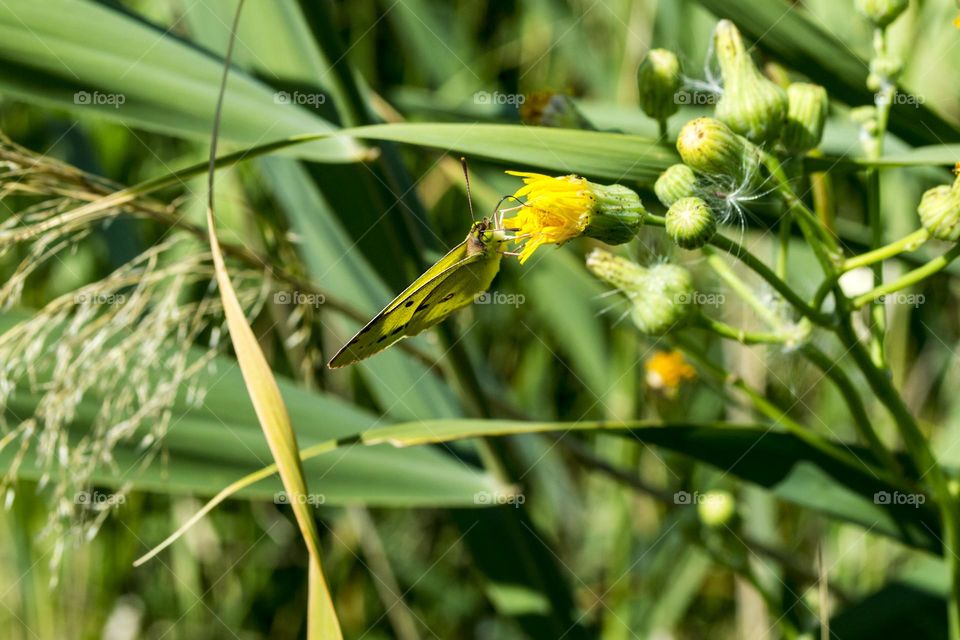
<point>382,338</point>
<point>365,329</point>
<point>398,329</point>
<point>423,305</point>
<point>409,303</point>
<point>449,296</point>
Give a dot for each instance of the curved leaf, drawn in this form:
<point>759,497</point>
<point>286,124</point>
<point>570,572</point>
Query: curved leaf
<point>107,63</point>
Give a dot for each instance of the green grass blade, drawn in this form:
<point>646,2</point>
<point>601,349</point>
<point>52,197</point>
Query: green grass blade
<point>102,56</point>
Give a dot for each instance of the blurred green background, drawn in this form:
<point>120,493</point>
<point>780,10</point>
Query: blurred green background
<point>600,547</point>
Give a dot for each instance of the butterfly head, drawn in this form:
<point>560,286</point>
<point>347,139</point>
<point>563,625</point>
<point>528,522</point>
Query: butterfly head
<point>484,236</point>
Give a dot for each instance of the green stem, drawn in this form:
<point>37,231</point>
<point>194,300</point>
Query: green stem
<point>908,243</point>
<point>733,333</point>
<point>917,445</point>
<point>741,289</point>
<point>783,254</point>
<point>850,394</point>
<point>821,240</point>
<point>882,102</point>
<point>908,279</point>
<point>776,414</point>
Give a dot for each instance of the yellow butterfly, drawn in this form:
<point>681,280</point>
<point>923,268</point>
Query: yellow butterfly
<point>453,282</point>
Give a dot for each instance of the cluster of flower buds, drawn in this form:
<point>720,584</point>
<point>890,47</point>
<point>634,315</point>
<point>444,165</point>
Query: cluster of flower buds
<point>751,107</point>
<point>661,296</point>
<point>722,155</point>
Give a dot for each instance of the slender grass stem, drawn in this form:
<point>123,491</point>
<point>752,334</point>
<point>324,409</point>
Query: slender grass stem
<point>778,415</point>
<point>821,240</point>
<point>741,289</point>
<point>851,397</point>
<point>740,335</point>
<point>908,243</point>
<point>908,279</point>
<point>919,449</point>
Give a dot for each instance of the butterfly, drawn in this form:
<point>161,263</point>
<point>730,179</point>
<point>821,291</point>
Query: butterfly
<point>455,281</point>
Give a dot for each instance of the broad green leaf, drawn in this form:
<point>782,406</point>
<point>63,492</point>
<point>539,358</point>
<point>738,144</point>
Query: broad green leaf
<point>804,475</point>
<point>275,38</point>
<point>911,605</point>
<point>943,155</point>
<point>107,63</point>
<point>616,157</point>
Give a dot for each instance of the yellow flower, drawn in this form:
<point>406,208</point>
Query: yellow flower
<point>556,210</point>
<point>666,370</point>
<point>562,208</point>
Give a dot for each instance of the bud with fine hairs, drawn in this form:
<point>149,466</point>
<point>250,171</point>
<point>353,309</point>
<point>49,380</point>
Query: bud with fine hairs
<point>691,223</point>
<point>660,296</point>
<point>807,107</point>
<point>710,147</point>
<point>882,12</point>
<point>939,211</point>
<point>751,104</point>
<point>678,181</point>
<point>658,80</point>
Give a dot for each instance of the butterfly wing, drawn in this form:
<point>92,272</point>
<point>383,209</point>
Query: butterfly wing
<point>467,280</point>
<point>448,285</point>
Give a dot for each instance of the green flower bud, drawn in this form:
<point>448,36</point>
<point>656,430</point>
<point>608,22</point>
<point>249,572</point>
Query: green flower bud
<point>710,147</point>
<point>939,212</point>
<point>953,486</point>
<point>547,109</point>
<point>617,214</point>
<point>678,181</point>
<point>807,108</point>
<point>661,295</point>
<point>881,12</point>
<point>658,80</point>
<point>751,104</point>
<point>884,70</point>
<point>864,115</point>
<point>691,223</point>
<point>716,508</point>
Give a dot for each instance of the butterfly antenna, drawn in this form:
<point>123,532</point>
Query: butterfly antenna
<point>498,213</point>
<point>466,177</point>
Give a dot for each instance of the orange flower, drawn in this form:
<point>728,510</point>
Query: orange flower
<point>666,370</point>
